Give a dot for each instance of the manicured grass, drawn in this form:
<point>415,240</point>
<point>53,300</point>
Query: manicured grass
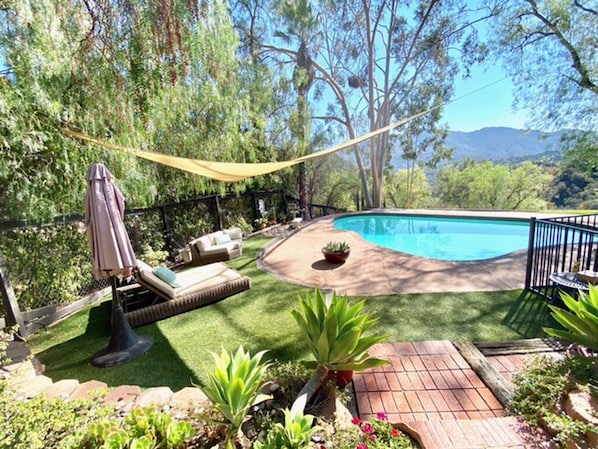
<point>260,319</point>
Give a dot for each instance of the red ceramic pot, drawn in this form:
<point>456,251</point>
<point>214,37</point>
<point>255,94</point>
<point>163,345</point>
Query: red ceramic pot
<point>336,257</point>
<point>342,378</point>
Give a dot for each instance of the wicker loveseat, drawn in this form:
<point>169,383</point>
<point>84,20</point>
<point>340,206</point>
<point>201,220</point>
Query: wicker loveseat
<point>216,247</point>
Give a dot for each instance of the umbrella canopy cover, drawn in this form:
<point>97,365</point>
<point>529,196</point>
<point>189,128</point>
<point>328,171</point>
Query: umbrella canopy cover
<point>111,250</point>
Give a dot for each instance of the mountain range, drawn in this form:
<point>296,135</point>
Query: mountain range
<point>500,144</point>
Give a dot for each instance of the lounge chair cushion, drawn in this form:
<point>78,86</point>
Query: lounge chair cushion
<point>234,233</point>
<point>191,280</point>
<point>222,239</point>
<point>203,243</point>
<point>214,236</point>
<point>167,275</point>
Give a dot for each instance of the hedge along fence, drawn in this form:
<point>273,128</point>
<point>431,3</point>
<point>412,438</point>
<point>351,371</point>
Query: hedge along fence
<point>48,266</point>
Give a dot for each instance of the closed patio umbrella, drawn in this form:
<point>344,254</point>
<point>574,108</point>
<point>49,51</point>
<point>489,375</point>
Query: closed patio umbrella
<point>112,257</point>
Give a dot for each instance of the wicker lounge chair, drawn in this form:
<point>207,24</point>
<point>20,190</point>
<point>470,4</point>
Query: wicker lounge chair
<point>198,287</point>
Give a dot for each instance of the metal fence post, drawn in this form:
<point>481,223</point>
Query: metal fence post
<point>530,252</point>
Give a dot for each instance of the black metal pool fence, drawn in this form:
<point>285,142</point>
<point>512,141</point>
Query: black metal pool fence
<point>557,245</point>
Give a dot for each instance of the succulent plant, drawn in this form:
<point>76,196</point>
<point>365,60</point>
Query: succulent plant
<point>337,247</point>
<point>336,332</point>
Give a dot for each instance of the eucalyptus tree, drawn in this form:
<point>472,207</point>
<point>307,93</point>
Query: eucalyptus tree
<point>300,22</point>
<point>550,50</point>
<point>396,59</point>
<point>157,75</point>
<point>377,61</point>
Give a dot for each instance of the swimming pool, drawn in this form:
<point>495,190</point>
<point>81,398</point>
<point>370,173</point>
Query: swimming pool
<point>441,238</point>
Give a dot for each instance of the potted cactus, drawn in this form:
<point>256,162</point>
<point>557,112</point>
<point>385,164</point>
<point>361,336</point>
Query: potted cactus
<point>336,252</point>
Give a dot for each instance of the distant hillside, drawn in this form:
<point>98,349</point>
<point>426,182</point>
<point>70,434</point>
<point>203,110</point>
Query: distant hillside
<point>500,144</point>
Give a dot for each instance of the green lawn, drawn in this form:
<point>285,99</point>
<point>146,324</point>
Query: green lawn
<point>260,319</point>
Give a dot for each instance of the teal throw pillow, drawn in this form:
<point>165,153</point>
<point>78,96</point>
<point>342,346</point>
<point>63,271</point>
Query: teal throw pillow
<point>167,275</point>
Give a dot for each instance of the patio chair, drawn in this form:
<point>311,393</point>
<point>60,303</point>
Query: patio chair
<point>190,289</point>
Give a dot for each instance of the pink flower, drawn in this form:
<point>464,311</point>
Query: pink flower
<point>367,427</point>
<point>362,446</point>
<point>381,416</point>
<point>356,421</point>
<point>395,433</point>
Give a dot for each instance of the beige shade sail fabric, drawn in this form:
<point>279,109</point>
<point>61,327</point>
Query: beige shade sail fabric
<point>231,171</point>
<point>111,250</point>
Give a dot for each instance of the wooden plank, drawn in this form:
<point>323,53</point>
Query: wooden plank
<point>49,315</point>
<point>524,346</point>
<point>492,378</point>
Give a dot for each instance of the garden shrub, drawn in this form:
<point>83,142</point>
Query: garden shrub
<point>42,423</point>
<point>47,265</point>
<point>540,388</point>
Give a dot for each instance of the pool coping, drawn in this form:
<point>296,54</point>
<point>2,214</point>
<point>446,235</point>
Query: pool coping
<point>373,271</point>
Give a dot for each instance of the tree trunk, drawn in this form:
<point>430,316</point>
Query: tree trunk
<point>309,390</point>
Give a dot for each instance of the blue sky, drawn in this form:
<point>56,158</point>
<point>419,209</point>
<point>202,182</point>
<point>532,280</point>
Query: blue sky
<point>476,106</point>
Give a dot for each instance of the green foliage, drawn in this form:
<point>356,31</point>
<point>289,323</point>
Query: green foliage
<point>407,188</point>
<point>485,185</point>
<point>235,386</point>
<point>568,429</point>
<point>555,73</point>
<point>333,181</point>
<point>290,377</point>
<point>337,247</point>
<point>47,265</point>
<point>40,422</point>
<point>190,222</point>
<point>335,332</point>
<point>378,433</point>
<point>161,77</point>
<point>5,336</point>
<point>539,391</point>
<point>580,321</point>
<point>296,433</point>
<point>142,428</point>
<point>541,384</point>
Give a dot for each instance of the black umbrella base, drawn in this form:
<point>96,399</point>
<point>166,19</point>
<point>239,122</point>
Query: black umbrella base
<point>106,357</point>
<point>124,344</point>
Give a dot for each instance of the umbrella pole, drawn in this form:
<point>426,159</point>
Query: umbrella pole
<point>124,344</point>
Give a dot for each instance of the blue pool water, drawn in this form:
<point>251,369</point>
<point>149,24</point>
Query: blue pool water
<point>442,238</point>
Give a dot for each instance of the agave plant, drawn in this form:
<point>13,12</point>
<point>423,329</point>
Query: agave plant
<point>295,434</point>
<point>580,321</point>
<point>335,332</point>
<point>336,247</point>
<point>235,386</point>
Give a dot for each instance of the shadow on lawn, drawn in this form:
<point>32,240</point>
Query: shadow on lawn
<point>159,366</point>
<point>528,315</point>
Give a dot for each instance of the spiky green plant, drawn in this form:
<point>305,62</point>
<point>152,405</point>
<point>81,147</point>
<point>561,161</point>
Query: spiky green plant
<point>580,321</point>
<point>235,385</point>
<point>295,434</point>
<point>337,247</point>
<point>336,331</point>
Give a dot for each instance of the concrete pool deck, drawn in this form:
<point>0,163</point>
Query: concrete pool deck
<point>372,270</point>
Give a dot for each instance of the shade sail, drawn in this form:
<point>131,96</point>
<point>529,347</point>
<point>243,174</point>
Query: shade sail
<point>231,171</point>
